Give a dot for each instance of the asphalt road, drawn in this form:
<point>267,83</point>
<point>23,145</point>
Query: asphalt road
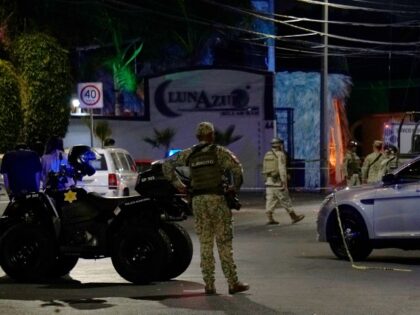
<point>288,270</point>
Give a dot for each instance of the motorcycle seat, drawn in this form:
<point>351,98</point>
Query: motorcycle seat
<point>108,203</point>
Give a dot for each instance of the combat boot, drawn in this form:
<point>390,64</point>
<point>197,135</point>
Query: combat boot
<point>210,289</point>
<point>271,219</point>
<point>296,217</point>
<point>238,287</point>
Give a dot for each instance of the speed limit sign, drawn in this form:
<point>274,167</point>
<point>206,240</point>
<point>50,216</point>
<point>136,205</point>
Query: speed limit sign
<point>90,95</point>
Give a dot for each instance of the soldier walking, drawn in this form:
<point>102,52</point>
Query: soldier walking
<point>371,169</point>
<point>213,219</point>
<point>352,165</point>
<point>274,171</point>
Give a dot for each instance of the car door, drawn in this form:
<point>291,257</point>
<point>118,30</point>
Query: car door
<point>396,209</point>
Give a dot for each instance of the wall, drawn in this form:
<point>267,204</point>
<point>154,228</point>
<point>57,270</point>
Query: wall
<point>183,99</point>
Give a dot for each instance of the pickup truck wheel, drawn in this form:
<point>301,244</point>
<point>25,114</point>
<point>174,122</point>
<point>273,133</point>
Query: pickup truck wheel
<point>26,252</point>
<point>139,254</point>
<point>181,248</point>
<point>355,234</point>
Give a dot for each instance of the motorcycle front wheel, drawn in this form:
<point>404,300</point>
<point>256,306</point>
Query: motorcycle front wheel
<point>139,254</point>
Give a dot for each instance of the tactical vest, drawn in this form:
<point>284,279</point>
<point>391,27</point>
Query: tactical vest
<point>270,163</point>
<point>206,176</point>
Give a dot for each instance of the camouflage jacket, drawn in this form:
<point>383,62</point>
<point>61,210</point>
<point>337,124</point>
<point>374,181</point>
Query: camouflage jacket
<point>225,158</point>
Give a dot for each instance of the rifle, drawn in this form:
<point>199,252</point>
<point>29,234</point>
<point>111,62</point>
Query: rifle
<point>231,196</point>
<point>232,200</point>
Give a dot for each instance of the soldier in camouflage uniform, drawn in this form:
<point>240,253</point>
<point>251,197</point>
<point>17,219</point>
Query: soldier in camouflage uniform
<point>389,162</point>
<point>274,171</point>
<point>213,219</point>
<point>352,165</point>
<point>371,169</point>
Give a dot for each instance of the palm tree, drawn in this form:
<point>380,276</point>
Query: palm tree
<point>102,131</point>
<point>225,138</point>
<point>124,77</point>
<point>162,138</point>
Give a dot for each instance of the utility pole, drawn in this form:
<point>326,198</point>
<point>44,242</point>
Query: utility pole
<point>271,56</point>
<point>324,117</point>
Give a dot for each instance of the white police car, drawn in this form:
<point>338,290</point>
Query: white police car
<point>381,215</point>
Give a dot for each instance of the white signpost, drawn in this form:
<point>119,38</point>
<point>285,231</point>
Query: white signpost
<point>91,97</point>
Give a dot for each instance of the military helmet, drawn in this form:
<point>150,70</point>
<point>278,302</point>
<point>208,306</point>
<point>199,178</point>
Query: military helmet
<point>276,142</point>
<point>80,157</point>
<point>377,144</point>
<point>390,148</point>
<point>204,128</point>
<point>352,144</point>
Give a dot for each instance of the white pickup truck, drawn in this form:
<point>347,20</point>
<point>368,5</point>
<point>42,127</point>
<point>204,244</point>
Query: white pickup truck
<point>116,173</point>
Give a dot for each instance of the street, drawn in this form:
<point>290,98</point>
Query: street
<point>288,270</point>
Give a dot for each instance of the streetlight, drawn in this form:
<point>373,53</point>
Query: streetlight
<point>75,103</point>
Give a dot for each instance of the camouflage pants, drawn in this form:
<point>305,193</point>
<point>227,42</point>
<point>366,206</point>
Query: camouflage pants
<point>213,220</point>
<point>354,180</point>
<point>276,197</point>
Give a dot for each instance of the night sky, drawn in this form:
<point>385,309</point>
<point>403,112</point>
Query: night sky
<point>391,61</point>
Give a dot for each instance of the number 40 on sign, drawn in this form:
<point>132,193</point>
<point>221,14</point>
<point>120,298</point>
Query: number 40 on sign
<point>90,95</point>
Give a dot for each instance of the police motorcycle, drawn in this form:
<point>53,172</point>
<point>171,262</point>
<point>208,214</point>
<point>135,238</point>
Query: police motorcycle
<point>43,234</point>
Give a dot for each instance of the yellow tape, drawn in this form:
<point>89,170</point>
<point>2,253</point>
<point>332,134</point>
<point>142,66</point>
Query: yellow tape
<point>353,265</point>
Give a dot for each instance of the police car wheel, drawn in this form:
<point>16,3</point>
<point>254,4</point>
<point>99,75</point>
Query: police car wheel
<point>139,254</point>
<point>182,250</point>
<point>26,252</point>
<point>355,234</point>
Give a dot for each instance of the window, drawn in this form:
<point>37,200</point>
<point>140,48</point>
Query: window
<point>411,173</point>
<point>123,161</point>
<point>100,165</point>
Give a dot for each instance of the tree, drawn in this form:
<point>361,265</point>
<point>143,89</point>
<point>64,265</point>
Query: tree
<point>174,32</point>
<point>102,131</point>
<point>162,138</point>
<point>225,138</point>
<point>11,119</point>
<point>43,65</point>
<point>124,77</point>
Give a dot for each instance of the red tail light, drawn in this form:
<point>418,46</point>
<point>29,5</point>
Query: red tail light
<point>112,181</point>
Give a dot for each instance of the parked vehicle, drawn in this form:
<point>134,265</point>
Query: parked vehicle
<point>4,198</point>
<point>42,235</point>
<point>404,135</point>
<point>381,215</point>
<point>143,164</point>
<point>115,175</point>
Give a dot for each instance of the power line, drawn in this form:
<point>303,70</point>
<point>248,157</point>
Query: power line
<point>351,7</point>
<point>260,35</point>
<point>412,23</point>
<point>344,38</point>
<point>381,3</point>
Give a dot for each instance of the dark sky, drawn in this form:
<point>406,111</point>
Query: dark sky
<point>373,60</point>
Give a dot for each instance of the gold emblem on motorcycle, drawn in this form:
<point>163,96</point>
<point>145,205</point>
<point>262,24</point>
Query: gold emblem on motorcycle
<point>70,196</point>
